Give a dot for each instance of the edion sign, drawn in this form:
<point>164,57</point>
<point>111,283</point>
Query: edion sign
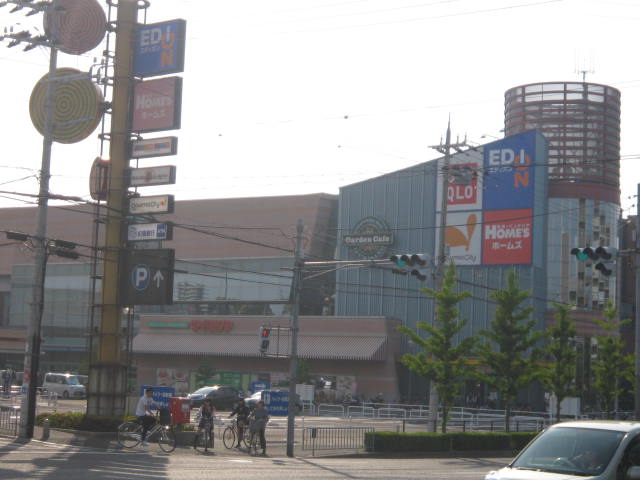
<point>506,237</point>
<point>508,172</point>
<point>159,48</point>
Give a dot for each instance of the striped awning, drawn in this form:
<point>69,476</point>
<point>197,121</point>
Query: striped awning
<point>328,347</point>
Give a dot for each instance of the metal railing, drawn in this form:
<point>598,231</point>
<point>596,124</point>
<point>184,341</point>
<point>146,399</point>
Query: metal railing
<point>334,438</point>
<point>9,419</point>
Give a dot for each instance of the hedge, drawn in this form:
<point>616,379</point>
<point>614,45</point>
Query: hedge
<point>80,421</point>
<point>444,442</point>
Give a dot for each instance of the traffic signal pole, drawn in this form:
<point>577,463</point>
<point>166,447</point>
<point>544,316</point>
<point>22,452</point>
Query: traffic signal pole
<point>107,377</point>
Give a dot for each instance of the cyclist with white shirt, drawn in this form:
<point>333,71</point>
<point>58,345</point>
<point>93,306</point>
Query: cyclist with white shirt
<point>144,414</point>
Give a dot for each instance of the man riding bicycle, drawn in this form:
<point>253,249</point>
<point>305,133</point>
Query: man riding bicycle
<point>144,414</point>
<point>242,412</point>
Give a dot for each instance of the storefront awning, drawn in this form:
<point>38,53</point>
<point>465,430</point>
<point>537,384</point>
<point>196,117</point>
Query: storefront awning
<point>356,347</point>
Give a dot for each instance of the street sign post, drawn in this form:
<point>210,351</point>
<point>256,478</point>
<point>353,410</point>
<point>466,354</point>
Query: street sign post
<point>149,231</point>
<point>155,204</point>
<point>154,147</point>
<point>144,177</point>
<point>147,277</point>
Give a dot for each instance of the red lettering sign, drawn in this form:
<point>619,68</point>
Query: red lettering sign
<point>462,188</point>
<point>211,326</point>
<point>507,237</point>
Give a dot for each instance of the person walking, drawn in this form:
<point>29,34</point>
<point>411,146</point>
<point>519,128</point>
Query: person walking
<point>261,417</point>
<point>144,414</point>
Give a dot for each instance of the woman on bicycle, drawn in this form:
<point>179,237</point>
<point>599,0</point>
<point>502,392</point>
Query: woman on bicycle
<point>207,412</point>
<point>242,412</point>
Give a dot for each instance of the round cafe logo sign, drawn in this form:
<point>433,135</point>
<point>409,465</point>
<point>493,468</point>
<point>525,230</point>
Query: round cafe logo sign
<point>370,238</point>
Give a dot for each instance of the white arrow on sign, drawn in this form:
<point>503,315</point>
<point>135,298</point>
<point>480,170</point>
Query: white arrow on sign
<point>158,277</point>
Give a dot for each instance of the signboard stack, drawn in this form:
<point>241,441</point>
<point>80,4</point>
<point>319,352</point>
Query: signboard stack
<point>147,269</point>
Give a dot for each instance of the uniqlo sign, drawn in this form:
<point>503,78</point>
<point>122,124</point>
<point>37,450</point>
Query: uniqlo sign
<point>157,105</point>
<point>506,237</point>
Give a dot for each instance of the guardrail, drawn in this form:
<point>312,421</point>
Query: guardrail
<point>334,438</point>
<point>9,419</point>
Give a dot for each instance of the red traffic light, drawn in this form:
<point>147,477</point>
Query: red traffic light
<point>264,332</point>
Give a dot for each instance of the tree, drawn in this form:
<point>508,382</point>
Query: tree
<point>559,376</point>
<point>204,373</point>
<point>442,362</point>
<point>303,371</point>
<point>611,364</point>
<point>515,362</point>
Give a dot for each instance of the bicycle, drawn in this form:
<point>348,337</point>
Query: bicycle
<point>230,435</point>
<point>129,433</point>
<point>204,439</point>
<point>254,436</point>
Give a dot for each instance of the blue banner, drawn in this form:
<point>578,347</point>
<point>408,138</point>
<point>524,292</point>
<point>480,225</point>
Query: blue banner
<point>276,403</point>
<point>159,48</point>
<point>509,172</point>
<point>161,395</point>
<point>257,386</point>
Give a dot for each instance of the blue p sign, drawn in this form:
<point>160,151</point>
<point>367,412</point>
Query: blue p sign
<point>140,277</point>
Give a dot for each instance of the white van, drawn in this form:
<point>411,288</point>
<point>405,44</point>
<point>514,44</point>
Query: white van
<point>65,385</point>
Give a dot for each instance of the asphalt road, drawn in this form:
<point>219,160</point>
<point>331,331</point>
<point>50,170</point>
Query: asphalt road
<point>63,462</point>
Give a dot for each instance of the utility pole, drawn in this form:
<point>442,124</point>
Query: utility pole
<point>107,377</point>
<point>636,265</point>
<point>442,251</point>
<point>34,337</point>
<point>293,359</point>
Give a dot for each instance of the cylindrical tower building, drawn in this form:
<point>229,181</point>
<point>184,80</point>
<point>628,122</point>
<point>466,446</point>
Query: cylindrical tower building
<point>581,122</point>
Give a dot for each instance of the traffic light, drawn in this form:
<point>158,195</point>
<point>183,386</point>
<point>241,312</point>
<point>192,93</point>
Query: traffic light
<point>404,263</point>
<point>604,256</point>
<point>608,254</point>
<point>263,337</point>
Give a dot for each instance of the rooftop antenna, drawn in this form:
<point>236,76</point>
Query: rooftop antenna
<point>584,64</point>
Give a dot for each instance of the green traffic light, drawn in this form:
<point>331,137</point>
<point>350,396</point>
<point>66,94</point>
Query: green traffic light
<point>580,254</point>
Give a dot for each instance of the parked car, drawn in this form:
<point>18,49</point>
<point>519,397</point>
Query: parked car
<point>65,385</point>
<point>223,397</point>
<point>253,400</point>
<point>598,450</point>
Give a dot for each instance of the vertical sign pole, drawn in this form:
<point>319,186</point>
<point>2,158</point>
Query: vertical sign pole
<point>34,339</point>
<point>297,286</point>
<point>107,372</point>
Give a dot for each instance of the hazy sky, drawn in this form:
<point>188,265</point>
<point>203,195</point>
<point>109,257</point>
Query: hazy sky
<point>303,96</point>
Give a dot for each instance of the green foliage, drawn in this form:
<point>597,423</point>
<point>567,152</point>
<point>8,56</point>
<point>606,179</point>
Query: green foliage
<point>611,364</point>
<point>443,361</point>
<point>515,362</point>
<point>204,373</point>
<point>406,442</point>
<point>559,376</point>
<point>303,371</point>
<point>80,421</point>
<point>446,442</point>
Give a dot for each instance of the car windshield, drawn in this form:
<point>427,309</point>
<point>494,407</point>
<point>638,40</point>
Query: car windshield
<point>577,451</point>
<point>73,381</point>
<point>203,391</point>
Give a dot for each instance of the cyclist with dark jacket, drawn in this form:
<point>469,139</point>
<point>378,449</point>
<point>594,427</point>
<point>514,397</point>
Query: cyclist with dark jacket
<point>242,412</point>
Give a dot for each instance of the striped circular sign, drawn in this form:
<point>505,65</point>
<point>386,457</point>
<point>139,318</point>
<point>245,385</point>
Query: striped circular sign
<point>77,108</point>
<point>76,26</point>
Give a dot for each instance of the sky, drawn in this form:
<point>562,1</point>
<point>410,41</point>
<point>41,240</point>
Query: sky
<point>302,96</point>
